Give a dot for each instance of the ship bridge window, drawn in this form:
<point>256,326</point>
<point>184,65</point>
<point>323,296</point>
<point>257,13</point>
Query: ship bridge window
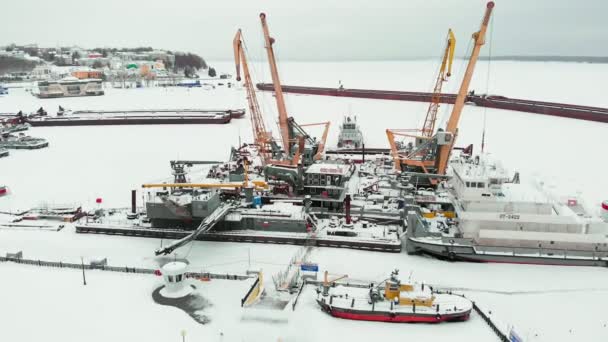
<point>468,184</point>
<point>481,185</point>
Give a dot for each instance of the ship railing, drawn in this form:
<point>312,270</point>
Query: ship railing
<point>542,252</point>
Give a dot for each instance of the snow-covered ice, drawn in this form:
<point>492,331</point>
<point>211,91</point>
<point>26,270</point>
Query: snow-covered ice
<point>85,163</point>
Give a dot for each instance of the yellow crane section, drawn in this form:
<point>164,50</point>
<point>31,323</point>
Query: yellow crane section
<point>428,129</point>
<point>321,147</point>
<point>479,38</point>
<point>327,281</point>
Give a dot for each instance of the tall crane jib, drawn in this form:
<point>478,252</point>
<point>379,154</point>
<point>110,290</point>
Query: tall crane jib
<point>418,154</point>
<point>297,145</point>
<point>479,38</point>
<point>431,151</point>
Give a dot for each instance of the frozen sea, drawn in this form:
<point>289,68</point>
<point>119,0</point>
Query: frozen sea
<point>545,303</point>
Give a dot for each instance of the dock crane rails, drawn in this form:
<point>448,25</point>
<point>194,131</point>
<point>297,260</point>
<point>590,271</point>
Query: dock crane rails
<point>432,155</point>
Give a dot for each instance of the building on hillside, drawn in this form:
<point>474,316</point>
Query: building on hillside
<point>70,86</point>
<point>87,73</point>
<point>42,72</point>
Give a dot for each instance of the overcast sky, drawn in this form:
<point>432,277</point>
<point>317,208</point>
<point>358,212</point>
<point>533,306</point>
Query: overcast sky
<point>311,29</point>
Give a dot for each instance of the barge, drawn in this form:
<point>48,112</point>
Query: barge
<point>597,114</point>
<point>234,113</point>
<point>279,223</point>
<point>92,120</point>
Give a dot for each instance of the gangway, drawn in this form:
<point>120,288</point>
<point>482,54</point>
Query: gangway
<point>208,223</point>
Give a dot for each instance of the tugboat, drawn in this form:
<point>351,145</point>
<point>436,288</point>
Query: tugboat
<point>396,302</point>
<point>350,135</point>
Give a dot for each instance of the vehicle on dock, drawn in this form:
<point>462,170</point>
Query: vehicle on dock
<point>69,87</point>
<point>392,301</point>
<point>483,215</point>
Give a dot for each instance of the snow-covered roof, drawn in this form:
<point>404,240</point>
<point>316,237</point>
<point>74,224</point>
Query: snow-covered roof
<point>174,267</point>
<point>329,169</point>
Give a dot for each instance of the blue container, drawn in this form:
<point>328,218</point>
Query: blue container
<point>257,201</point>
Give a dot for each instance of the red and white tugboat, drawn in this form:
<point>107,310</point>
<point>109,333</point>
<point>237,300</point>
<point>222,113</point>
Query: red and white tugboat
<point>396,302</point>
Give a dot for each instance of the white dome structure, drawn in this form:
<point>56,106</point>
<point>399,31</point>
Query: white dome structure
<point>174,275</point>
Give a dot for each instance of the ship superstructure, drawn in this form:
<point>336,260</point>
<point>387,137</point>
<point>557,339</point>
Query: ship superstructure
<point>350,136</point>
<point>485,215</point>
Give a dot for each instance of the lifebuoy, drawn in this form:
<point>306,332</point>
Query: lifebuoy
<point>452,256</point>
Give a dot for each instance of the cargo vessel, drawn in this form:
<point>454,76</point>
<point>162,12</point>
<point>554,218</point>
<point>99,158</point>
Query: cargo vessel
<point>392,301</point>
<point>482,214</point>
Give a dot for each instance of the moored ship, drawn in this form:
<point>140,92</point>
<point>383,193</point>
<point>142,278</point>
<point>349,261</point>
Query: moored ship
<point>484,215</point>
<point>395,302</point>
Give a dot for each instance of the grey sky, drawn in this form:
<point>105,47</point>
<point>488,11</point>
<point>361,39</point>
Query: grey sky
<point>311,29</point>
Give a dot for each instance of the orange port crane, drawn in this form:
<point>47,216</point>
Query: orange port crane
<point>267,147</point>
<point>428,128</point>
<point>432,152</point>
<point>290,130</point>
<point>278,91</point>
<point>262,138</point>
<point>479,39</point>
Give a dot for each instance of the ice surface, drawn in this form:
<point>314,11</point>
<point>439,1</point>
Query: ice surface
<point>85,163</point>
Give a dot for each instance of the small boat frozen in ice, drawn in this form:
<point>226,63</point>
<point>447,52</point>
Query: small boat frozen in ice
<point>394,302</point>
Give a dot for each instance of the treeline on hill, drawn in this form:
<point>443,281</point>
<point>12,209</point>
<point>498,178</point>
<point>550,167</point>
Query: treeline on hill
<point>10,64</point>
<point>106,51</point>
<point>189,63</point>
